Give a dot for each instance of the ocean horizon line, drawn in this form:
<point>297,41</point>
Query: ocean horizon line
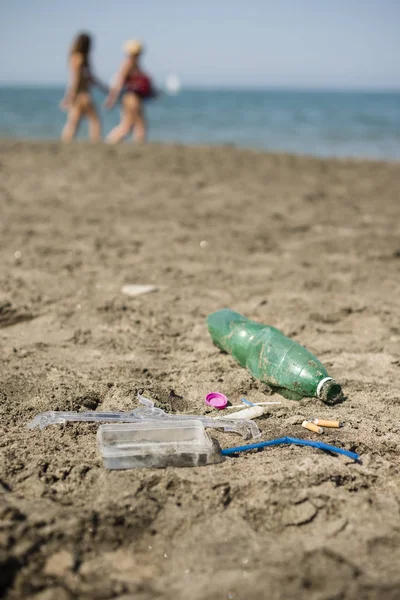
<point>230,88</point>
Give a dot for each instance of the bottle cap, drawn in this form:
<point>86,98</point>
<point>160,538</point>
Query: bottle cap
<point>216,400</point>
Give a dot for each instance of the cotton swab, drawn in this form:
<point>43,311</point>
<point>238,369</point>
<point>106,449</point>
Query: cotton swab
<point>252,404</point>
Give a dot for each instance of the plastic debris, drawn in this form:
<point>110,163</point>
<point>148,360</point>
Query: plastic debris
<point>282,363</point>
<point>248,413</point>
<point>156,444</point>
<point>216,400</point>
<point>244,427</point>
<point>148,412</point>
<point>137,290</point>
<point>44,419</point>
<point>245,401</point>
<point>290,440</point>
<point>253,404</point>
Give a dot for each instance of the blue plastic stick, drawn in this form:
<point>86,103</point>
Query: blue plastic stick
<point>290,440</point>
<point>247,402</point>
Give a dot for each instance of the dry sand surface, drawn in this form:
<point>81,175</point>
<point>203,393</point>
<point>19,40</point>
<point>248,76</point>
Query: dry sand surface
<point>309,246</point>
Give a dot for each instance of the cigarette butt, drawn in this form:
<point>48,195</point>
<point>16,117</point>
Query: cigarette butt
<point>312,427</point>
<point>324,423</point>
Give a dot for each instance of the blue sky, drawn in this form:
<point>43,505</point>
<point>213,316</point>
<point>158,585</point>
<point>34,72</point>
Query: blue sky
<point>265,43</point>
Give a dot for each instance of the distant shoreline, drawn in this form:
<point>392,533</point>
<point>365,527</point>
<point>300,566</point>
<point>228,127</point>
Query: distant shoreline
<point>157,146</point>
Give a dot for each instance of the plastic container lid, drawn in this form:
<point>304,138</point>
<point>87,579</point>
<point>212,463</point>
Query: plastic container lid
<point>217,400</point>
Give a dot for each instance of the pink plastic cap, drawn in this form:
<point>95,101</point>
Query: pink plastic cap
<point>216,400</point>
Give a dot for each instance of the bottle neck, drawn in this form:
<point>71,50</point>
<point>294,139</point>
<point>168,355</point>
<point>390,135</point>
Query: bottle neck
<point>329,391</point>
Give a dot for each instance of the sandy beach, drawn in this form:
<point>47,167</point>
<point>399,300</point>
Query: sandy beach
<point>309,246</point>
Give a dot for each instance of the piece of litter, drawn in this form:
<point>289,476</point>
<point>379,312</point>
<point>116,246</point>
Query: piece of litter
<point>297,442</point>
<point>203,244</point>
<point>324,423</point>
<point>312,427</point>
<point>245,401</point>
<point>255,404</point>
<point>147,412</point>
<point>248,413</point>
<point>242,426</point>
<point>156,444</point>
<point>138,290</point>
<point>282,363</point>
<point>216,400</point>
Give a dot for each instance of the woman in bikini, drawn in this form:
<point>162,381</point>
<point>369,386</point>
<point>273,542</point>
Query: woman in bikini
<point>136,87</point>
<point>78,100</point>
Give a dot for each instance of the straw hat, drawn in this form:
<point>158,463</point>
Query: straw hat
<point>133,47</point>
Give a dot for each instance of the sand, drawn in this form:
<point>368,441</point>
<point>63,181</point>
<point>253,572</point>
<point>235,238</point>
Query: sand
<point>309,246</point>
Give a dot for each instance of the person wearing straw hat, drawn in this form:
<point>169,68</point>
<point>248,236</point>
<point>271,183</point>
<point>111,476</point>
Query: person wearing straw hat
<point>136,87</point>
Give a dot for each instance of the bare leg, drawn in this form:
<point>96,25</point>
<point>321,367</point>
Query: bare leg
<point>131,116</point>
<point>94,124</point>
<point>123,129</point>
<point>140,127</point>
<point>119,132</point>
<point>72,124</point>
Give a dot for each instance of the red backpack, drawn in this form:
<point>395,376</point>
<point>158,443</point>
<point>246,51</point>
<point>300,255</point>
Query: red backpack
<point>141,84</point>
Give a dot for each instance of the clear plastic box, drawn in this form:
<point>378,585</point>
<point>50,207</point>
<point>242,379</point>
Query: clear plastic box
<point>160,445</point>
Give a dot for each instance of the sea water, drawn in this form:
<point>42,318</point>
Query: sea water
<point>322,123</point>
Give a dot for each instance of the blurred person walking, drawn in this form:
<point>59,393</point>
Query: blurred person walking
<point>136,87</point>
<point>78,100</point>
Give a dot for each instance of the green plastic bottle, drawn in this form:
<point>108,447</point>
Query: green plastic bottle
<point>273,358</point>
